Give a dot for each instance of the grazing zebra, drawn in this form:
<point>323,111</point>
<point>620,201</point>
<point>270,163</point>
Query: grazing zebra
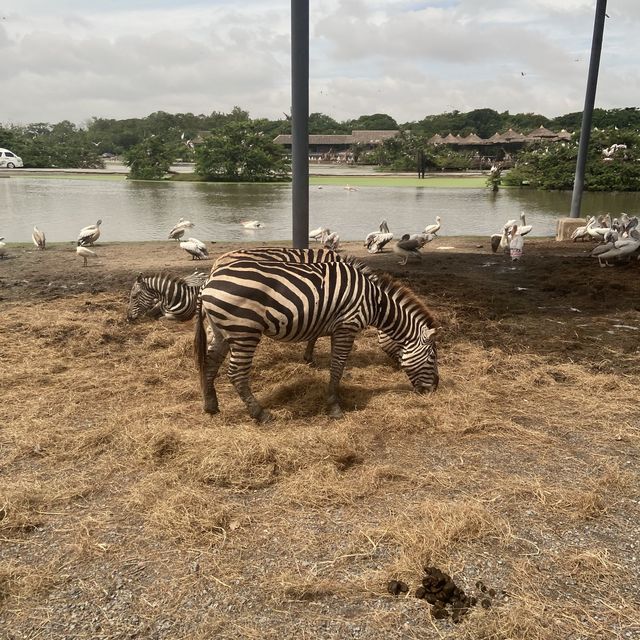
<point>158,295</point>
<point>302,256</point>
<point>247,299</point>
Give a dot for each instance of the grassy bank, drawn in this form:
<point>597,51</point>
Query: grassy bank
<point>431,181</point>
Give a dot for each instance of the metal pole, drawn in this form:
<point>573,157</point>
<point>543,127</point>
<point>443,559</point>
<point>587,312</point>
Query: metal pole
<point>300,122</point>
<point>587,115</point>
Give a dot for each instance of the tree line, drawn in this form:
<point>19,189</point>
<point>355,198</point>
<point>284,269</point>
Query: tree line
<point>237,147</point>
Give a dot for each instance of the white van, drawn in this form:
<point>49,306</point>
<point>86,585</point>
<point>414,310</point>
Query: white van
<point>9,160</point>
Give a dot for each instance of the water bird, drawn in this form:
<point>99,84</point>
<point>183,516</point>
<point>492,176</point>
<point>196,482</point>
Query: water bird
<point>316,234</point>
<point>251,224</point>
<point>501,240</point>
<point>89,235</point>
<point>409,246</point>
<point>623,248</point>
<point>180,227</point>
<point>3,248</point>
<point>85,253</point>
<point>38,238</point>
<point>582,233</point>
<point>433,228</point>
<point>331,240</point>
<point>376,240</point>
<point>348,187</point>
<point>195,249</point>
<point>524,228</point>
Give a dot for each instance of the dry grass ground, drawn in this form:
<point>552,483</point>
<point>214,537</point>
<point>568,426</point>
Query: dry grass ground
<point>125,512</point>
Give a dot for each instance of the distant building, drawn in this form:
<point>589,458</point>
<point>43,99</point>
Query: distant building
<point>336,147</point>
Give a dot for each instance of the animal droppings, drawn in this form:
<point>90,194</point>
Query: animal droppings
<point>396,587</point>
<point>446,598</point>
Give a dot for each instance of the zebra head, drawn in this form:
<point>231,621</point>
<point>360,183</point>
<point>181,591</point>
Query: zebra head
<point>419,360</point>
<point>141,299</point>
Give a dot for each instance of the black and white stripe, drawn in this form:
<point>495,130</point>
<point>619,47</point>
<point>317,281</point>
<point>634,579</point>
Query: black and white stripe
<point>160,294</point>
<point>292,302</point>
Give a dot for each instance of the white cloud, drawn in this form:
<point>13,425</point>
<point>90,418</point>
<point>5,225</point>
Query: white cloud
<point>407,58</point>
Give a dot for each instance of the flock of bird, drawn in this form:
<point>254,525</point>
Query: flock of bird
<point>408,246</point>
<point>618,238</point>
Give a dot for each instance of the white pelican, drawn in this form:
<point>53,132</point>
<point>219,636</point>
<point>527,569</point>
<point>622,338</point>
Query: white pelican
<point>433,228</point>
<point>85,253</point>
<point>580,233</point>
<point>201,245</point>
<point>500,240</point>
<point>348,187</point>
<point>524,228</point>
<point>89,235</point>
<point>38,238</point>
<point>316,234</point>
<point>597,233</point>
<point>194,249</point>
<point>330,240</point>
<point>409,246</point>
<point>620,249</point>
<point>178,230</point>
<point>252,224</point>
<point>3,248</point>
<point>377,239</point>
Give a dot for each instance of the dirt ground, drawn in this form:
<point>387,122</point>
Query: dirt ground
<point>125,512</point>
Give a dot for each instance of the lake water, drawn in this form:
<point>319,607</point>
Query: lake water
<point>138,211</point>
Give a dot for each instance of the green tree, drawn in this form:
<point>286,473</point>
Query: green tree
<point>149,159</point>
<point>375,122</point>
<point>240,152</point>
<point>608,168</point>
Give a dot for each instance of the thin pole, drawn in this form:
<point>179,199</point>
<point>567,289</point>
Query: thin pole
<point>589,101</point>
<point>300,122</point>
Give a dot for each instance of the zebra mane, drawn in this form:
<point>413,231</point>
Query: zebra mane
<point>170,277</point>
<point>391,285</point>
<point>359,265</point>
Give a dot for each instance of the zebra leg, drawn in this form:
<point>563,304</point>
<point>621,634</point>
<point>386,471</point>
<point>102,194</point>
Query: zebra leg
<point>341,343</point>
<point>308,352</point>
<point>214,358</point>
<point>242,351</point>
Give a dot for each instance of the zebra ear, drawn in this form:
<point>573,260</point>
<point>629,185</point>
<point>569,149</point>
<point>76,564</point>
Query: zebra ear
<point>139,277</point>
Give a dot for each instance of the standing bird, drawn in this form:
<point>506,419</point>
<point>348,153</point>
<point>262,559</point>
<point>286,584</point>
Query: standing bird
<point>433,228</point>
<point>3,248</point>
<point>38,238</point>
<point>89,235</point>
<point>331,240</point>
<point>409,246</point>
<point>378,239</point>
<point>316,234</point>
<point>178,230</point>
<point>582,233</point>
<point>524,228</point>
<point>195,248</point>
<point>85,253</point>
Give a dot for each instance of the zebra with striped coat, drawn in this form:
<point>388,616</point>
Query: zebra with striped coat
<point>302,256</point>
<point>246,299</point>
<point>172,297</point>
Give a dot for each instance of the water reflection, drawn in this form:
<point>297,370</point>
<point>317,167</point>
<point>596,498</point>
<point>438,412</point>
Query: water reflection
<point>135,211</point>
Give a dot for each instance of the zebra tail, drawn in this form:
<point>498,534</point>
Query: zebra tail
<point>200,339</point>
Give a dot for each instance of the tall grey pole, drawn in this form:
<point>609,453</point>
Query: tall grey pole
<point>587,115</point>
<point>300,122</point>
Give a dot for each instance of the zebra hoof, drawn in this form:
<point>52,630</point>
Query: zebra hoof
<point>263,417</point>
<point>335,412</point>
<point>211,408</point>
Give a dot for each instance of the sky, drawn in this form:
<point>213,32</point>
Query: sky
<point>74,60</point>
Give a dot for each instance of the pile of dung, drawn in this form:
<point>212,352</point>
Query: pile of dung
<point>446,598</point>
